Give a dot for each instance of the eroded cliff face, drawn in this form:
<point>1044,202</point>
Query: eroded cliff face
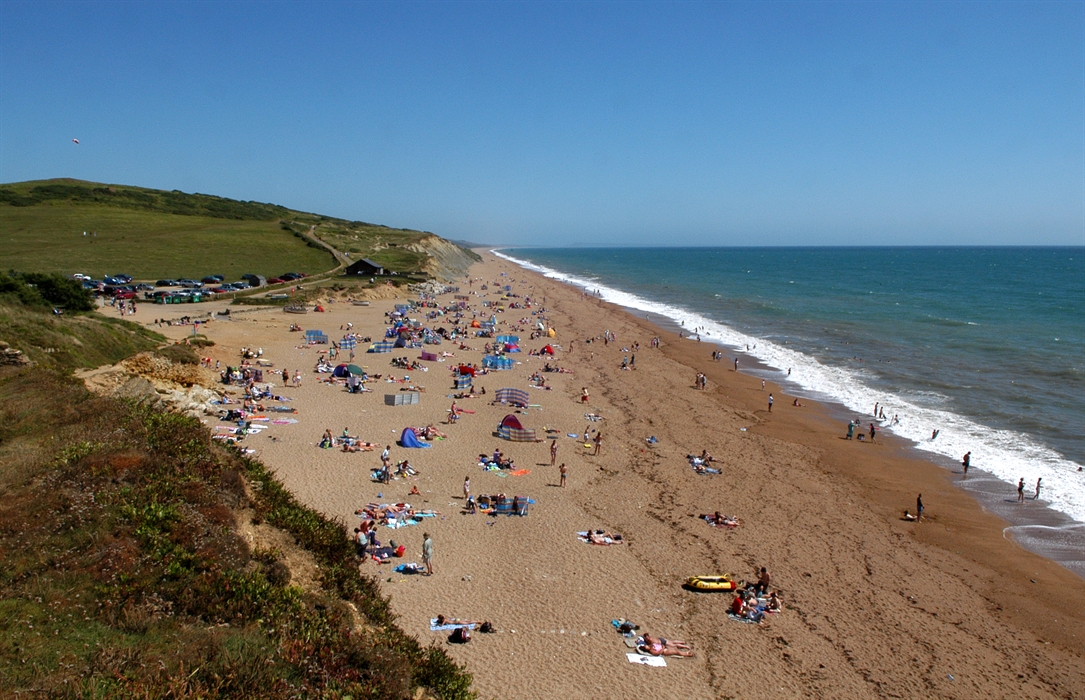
<point>446,261</point>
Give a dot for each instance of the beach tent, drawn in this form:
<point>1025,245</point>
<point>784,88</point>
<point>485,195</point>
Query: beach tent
<point>511,421</point>
<point>508,339</point>
<point>409,439</point>
<point>340,371</point>
<point>511,430</point>
<point>515,397</point>
<point>548,350</point>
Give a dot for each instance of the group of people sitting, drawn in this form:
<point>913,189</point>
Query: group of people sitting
<point>495,503</point>
<point>700,464</point>
<point>349,443</point>
<point>496,461</point>
<point>751,603</point>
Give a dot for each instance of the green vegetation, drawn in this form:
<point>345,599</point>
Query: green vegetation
<point>70,341</point>
<point>124,572</point>
<point>125,576</point>
<point>153,234</point>
<point>46,290</point>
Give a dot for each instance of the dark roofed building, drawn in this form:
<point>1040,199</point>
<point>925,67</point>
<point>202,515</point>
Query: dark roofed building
<point>364,267</point>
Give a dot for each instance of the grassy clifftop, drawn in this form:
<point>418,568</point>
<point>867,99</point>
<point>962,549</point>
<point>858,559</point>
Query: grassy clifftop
<point>156,233</point>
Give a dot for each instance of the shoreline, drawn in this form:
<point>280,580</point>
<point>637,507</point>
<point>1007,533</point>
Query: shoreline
<point>874,606</point>
<point>1039,528</point>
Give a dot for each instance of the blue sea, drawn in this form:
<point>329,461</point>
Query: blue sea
<point>986,345</point>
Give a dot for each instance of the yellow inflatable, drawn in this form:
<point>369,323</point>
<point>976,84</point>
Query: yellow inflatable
<point>712,583</point>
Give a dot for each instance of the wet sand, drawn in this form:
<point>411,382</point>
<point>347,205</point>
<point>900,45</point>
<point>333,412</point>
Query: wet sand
<point>874,606</point>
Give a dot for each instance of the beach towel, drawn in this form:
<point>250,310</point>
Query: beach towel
<point>520,472</point>
<point>434,627</point>
<point>409,439</point>
<point>743,620</point>
<point>411,568</point>
<point>515,397</point>
<point>645,660</point>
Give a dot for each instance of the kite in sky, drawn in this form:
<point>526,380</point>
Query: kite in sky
<point>75,141</point>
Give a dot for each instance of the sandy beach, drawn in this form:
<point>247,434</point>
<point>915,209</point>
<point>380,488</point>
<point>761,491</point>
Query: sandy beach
<point>874,606</point>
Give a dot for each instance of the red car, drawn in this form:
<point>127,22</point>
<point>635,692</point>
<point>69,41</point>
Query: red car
<point>125,295</point>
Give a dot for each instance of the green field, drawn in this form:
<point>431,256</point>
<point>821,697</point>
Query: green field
<point>148,244</point>
<point>151,234</point>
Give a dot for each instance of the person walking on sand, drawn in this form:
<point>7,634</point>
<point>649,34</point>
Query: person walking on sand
<point>919,507</point>
<point>872,432</point>
<point>770,403</point>
<point>427,553</point>
<point>1021,490</point>
<point>966,461</point>
<point>584,394</point>
<point>1037,488</point>
<point>561,470</point>
<point>553,452</point>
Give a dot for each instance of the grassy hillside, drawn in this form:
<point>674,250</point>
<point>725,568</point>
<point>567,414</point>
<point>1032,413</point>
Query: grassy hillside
<point>130,568</point>
<point>155,233</point>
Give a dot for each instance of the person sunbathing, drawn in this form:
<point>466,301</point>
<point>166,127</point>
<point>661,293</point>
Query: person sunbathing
<point>414,491</point>
<point>442,621</point>
<point>657,646</point>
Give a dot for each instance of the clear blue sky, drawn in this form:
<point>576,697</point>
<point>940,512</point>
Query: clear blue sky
<point>559,123</point>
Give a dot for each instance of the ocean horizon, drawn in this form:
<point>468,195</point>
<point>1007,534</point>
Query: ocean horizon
<point>986,345</point>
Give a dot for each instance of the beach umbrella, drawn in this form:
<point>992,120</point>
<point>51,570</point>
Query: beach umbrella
<point>355,369</point>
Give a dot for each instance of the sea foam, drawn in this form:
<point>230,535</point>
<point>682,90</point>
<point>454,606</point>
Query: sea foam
<point>1008,455</point>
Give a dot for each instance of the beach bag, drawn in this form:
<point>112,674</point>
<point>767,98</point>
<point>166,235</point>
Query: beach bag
<point>486,628</point>
<point>460,635</point>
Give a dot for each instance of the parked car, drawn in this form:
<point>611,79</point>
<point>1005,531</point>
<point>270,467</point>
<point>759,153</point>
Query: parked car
<point>166,283</point>
<point>190,284</point>
<point>91,284</point>
<point>241,285</point>
<point>125,279</point>
<point>125,294</point>
<point>290,276</point>
<point>276,280</point>
<point>144,287</point>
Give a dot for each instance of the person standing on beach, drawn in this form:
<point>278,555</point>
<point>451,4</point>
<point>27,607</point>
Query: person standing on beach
<point>762,385</point>
<point>598,442</point>
<point>561,470</point>
<point>427,553</point>
<point>1021,490</point>
<point>736,364</point>
<point>467,487</point>
<point>966,461</point>
<point>872,432</point>
<point>851,429</point>
<point>553,452</point>
<point>919,507</point>
<point>770,403</point>
<point>1037,488</point>
<point>876,409</point>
